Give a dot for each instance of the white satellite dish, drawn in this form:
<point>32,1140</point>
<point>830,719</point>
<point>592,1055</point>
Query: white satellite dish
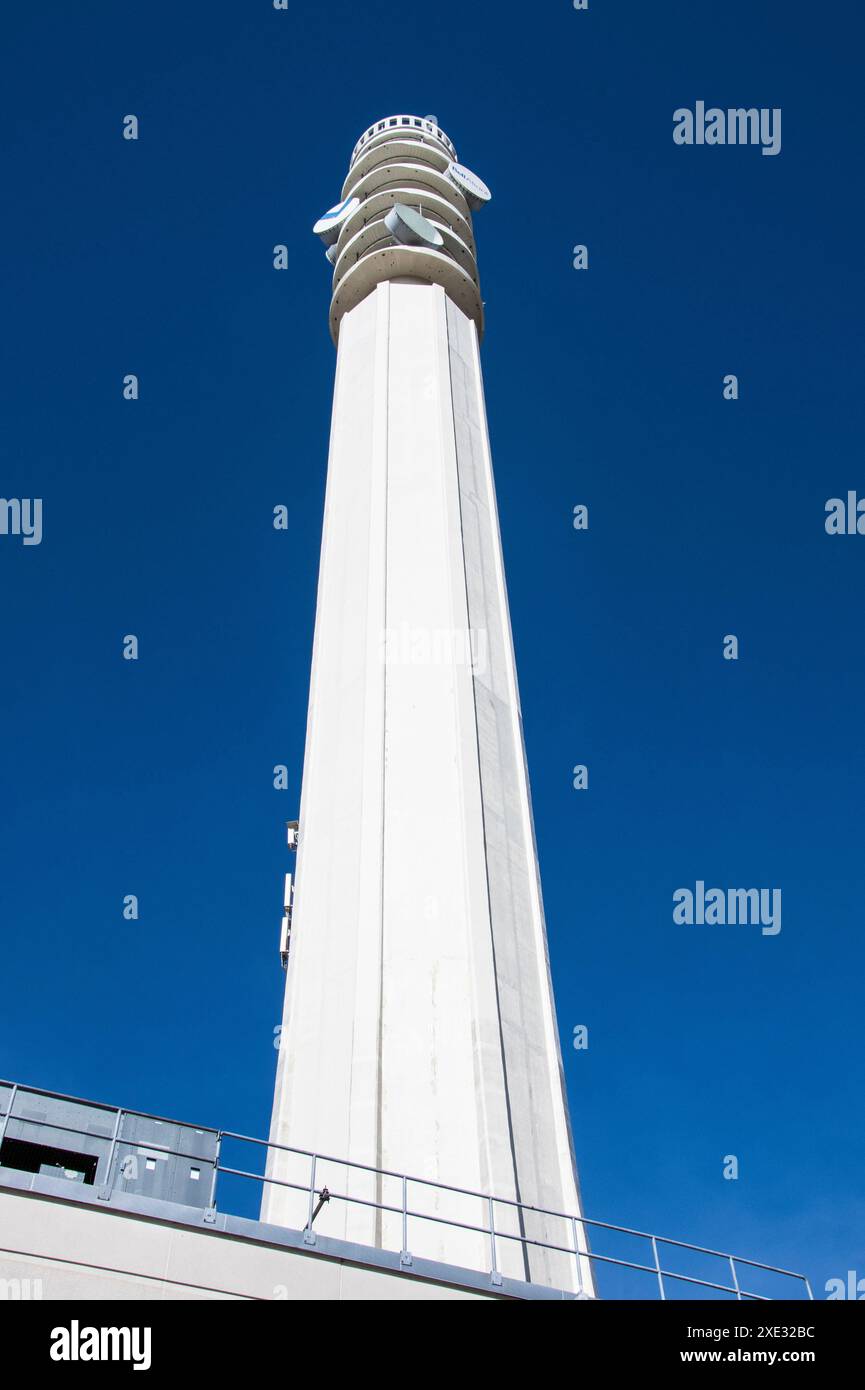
<point>473,189</point>
<point>328,226</point>
<point>411,228</point>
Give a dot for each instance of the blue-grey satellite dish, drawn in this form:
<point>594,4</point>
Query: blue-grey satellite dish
<point>411,228</point>
<point>473,189</point>
<point>328,226</point>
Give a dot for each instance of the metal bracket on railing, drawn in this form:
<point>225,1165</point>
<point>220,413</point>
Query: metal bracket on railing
<point>308,1235</point>
<point>324,1196</point>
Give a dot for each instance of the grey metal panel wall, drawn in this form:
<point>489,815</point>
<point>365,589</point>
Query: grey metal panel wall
<point>142,1168</point>
<point>140,1165</point>
<point>56,1123</point>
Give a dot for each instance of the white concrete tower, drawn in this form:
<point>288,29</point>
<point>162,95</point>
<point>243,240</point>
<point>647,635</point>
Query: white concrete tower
<point>419,1033</point>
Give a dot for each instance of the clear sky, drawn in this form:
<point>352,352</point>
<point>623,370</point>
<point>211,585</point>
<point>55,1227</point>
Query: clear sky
<point>604,387</point>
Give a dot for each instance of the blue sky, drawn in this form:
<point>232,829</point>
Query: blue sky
<point>603,387</point>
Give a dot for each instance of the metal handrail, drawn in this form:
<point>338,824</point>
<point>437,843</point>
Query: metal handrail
<point>489,1230</point>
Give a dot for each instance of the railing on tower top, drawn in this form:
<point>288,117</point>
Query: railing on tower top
<point>405,124</point>
<point>316,1194</point>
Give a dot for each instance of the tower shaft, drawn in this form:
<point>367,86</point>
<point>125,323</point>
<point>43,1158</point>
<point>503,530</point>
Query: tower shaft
<point>419,1033</point>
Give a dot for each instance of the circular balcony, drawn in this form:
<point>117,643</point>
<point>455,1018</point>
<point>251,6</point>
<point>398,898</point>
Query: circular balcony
<point>390,262</point>
<point>404,159</point>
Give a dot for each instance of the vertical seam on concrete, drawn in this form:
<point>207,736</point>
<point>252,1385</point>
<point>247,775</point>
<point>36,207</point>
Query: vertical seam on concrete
<point>517,1192</point>
<point>560,1109</point>
<point>380,1077</point>
<point>450,483</point>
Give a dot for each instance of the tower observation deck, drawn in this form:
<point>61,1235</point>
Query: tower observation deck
<point>419,1032</point>
<point>405,160</point>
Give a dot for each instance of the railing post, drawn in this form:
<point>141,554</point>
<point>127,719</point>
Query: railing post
<point>309,1233</point>
<point>735,1279</point>
<point>210,1209</point>
<point>658,1268</point>
<point>495,1277</point>
<point>216,1157</point>
<point>405,1257</point>
<point>104,1193</point>
<point>577,1256</point>
<point>5,1120</point>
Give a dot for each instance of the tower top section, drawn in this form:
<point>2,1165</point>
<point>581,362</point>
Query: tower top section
<point>405,213</point>
<point>425,128</point>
